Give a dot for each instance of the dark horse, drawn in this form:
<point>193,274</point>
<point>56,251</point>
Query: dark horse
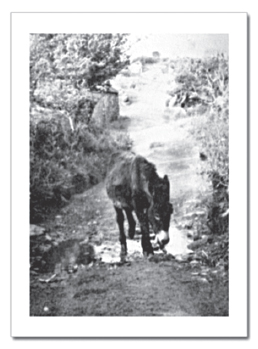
<point>133,185</point>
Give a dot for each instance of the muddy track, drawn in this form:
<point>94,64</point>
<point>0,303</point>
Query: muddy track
<point>162,286</point>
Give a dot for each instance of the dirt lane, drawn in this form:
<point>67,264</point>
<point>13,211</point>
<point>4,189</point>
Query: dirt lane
<point>165,140</point>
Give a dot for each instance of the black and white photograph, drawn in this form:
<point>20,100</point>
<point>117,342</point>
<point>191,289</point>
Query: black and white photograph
<point>130,179</point>
<point>142,137</point>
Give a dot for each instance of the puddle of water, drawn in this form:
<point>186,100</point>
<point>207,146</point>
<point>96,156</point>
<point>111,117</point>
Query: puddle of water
<point>68,253</point>
<point>110,253</point>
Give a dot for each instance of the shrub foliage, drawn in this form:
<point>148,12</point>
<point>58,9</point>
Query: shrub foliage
<point>200,81</point>
<point>202,88</point>
<point>68,151</point>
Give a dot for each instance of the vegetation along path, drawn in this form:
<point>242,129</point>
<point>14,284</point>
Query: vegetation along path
<point>172,284</point>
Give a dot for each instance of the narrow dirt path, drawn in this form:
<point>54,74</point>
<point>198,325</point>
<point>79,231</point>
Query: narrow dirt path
<point>164,140</point>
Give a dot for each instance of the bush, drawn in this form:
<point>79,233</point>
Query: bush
<point>68,151</point>
<point>68,62</point>
<point>213,136</point>
<point>64,162</point>
<point>203,86</point>
<point>200,82</point>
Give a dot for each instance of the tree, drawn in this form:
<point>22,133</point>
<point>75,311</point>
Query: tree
<point>62,65</point>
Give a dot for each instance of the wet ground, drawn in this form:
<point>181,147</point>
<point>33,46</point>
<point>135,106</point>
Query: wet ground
<point>91,281</point>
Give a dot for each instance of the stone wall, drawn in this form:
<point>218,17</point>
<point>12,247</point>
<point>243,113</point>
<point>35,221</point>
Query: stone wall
<point>106,109</point>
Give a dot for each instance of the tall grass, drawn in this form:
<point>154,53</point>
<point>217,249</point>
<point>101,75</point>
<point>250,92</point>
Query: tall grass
<point>201,87</point>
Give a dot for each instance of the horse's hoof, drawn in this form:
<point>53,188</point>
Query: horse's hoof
<point>148,255</point>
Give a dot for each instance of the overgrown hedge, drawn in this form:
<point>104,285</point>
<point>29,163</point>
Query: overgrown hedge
<point>200,81</point>
<point>202,89</point>
<point>64,162</point>
<point>68,151</point>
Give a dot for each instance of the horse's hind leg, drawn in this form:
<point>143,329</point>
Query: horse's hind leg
<point>122,237</point>
<point>131,222</point>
